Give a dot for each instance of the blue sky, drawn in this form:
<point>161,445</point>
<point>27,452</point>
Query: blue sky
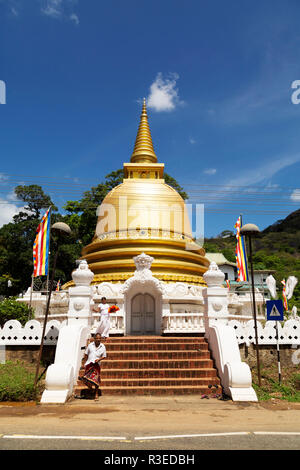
<point>217,76</point>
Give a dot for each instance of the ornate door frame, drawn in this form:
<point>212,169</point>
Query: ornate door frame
<point>143,282</point>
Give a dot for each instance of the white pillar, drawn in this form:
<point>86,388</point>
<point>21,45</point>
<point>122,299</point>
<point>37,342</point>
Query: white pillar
<point>215,298</point>
<point>80,296</point>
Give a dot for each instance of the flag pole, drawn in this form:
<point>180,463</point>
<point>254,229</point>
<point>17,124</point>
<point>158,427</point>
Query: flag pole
<point>278,354</point>
<point>47,284</point>
<point>61,228</point>
<point>31,289</point>
<point>45,321</point>
<point>246,255</point>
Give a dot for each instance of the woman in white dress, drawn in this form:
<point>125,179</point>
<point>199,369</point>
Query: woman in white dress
<point>104,325</point>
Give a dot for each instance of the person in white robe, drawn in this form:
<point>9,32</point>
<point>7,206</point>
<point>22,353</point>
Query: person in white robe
<point>104,324</point>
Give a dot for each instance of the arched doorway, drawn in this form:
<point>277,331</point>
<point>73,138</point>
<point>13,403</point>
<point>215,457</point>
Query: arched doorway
<point>142,315</point>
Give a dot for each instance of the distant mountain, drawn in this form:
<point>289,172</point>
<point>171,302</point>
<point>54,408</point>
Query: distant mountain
<point>290,224</point>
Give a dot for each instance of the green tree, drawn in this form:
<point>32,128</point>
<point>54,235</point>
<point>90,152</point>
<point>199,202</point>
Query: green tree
<point>11,309</point>
<point>36,200</point>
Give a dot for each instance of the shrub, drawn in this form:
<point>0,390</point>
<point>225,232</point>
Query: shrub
<point>16,382</point>
<point>10,309</point>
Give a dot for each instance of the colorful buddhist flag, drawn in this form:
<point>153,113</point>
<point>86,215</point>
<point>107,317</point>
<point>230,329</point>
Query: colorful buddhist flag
<point>228,283</point>
<point>285,302</point>
<point>240,254</point>
<point>58,286</point>
<point>41,247</point>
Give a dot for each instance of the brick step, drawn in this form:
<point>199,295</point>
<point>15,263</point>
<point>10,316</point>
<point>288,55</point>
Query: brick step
<point>157,364</point>
<point>160,382</point>
<point>151,339</point>
<point>156,355</point>
<point>171,390</point>
<point>156,346</point>
<point>155,373</point>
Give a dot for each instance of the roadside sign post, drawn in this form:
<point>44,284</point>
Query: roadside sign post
<point>275,313</point>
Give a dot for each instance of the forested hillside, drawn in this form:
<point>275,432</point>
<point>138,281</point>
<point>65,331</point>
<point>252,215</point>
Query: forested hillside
<point>277,248</point>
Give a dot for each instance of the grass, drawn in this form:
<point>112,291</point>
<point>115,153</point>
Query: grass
<point>288,389</point>
<point>17,382</point>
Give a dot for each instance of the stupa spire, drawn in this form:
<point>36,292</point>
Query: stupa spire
<point>143,151</point>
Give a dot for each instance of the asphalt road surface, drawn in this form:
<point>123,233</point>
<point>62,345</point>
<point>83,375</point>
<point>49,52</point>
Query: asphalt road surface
<point>116,425</point>
<point>112,449</point>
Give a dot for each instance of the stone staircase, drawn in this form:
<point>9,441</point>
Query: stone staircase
<point>156,365</point>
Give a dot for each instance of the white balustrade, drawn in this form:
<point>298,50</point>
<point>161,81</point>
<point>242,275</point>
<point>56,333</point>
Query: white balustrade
<point>182,323</point>
<point>117,324</point>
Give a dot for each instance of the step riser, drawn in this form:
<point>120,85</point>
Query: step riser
<point>157,383</point>
<point>155,339</point>
<point>156,347</point>
<point>158,391</point>
<point>156,355</point>
<point>157,374</point>
<point>150,392</point>
<point>184,364</point>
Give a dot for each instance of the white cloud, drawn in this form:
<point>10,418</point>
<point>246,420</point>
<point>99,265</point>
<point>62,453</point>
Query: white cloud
<point>163,93</point>
<point>264,172</point>
<point>53,8</point>
<point>295,196</point>
<point>192,141</point>
<point>8,210</point>
<point>60,9</point>
<point>74,17</point>
<point>14,11</point>
<point>210,171</point>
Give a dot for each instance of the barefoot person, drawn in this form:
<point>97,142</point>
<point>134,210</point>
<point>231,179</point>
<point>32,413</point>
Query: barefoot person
<point>94,354</point>
<point>104,325</point>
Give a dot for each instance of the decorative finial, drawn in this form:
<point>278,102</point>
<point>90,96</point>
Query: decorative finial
<point>144,110</point>
<point>143,150</point>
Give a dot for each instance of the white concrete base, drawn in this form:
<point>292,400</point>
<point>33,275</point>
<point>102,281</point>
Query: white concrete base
<point>55,396</point>
<point>243,394</point>
<point>234,374</point>
<point>62,375</point>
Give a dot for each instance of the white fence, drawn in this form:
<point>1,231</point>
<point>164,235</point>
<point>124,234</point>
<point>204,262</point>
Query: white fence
<point>288,334</point>
<point>13,333</point>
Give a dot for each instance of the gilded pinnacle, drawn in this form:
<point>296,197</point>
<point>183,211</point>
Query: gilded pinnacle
<point>143,149</point>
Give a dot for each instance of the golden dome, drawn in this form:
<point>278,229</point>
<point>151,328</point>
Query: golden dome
<point>144,214</point>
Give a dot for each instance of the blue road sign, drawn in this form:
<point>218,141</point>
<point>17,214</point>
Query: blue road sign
<point>275,310</point>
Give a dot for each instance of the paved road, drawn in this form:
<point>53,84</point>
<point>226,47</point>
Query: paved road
<point>240,442</point>
<point>147,423</point>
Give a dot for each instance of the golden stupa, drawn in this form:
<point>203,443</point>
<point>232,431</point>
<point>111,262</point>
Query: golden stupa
<point>144,214</point>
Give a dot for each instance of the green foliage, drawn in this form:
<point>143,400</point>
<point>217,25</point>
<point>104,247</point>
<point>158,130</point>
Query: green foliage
<point>226,234</point>
<point>10,309</point>
<point>290,224</point>
<point>172,182</point>
<point>16,382</point>
<point>229,254</point>
<point>35,198</point>
<point>288,390</point>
